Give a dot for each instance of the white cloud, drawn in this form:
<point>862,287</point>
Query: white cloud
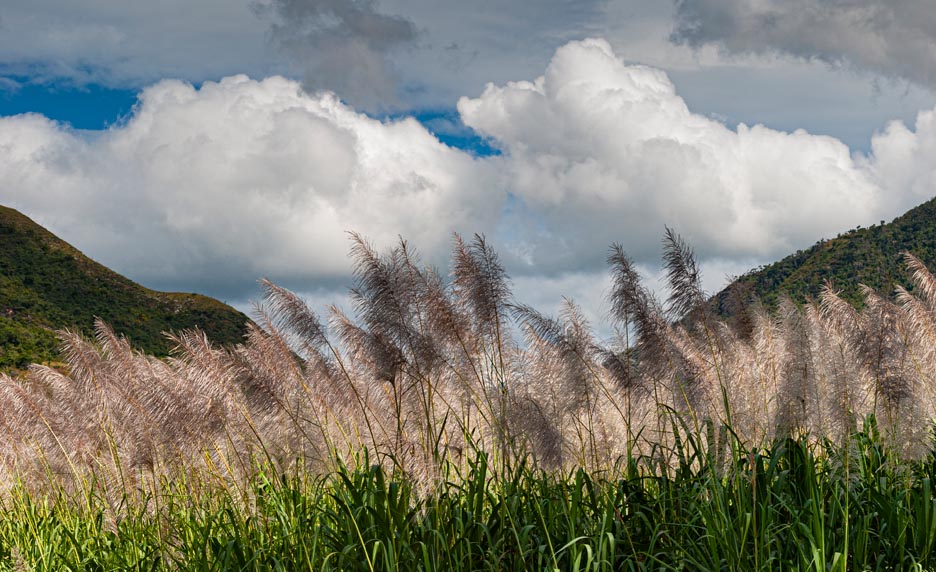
<point>905,159</point>
<point>211,188</point>
<point>604,151</point>
<point>241,179</point>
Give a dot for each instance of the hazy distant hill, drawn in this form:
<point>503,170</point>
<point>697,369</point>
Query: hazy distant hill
<point>870,256</point>
<point>46,284</point>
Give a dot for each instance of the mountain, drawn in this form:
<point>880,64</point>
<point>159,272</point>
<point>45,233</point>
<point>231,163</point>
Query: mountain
<point>47,285</point>
<point>870,256</point>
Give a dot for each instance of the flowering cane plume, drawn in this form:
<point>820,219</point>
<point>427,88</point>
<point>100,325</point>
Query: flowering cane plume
<point>574,384</point>
<point>874,337</point>
<point>426,367</point>
<point>481,291</point>
<point>797,399</point>
<point>633,307</point>
<point>706,390</point>
<point>686,297</point>
<point>766,346</point>
<point>919,328</point>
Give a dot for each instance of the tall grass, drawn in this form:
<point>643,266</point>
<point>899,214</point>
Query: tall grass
<point>418,431</point>
<point>795,505</point>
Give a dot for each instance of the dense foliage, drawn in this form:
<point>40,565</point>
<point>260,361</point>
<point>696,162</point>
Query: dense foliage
<point>869,256</point>
<point>47,285</point>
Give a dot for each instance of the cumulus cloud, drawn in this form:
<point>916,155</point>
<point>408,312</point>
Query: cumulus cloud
<point>220,185</point>
<point>210,188</point>
<point>342,45</point>
<point>896,39</point>
<point>602,151</point>
<point>904,159</point>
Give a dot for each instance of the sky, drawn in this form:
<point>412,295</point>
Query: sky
<point>199,145</point>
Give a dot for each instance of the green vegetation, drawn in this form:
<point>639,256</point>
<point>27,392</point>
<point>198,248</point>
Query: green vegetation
<point>869,256</point>
<point>791,506</point>
<point>47,285</point>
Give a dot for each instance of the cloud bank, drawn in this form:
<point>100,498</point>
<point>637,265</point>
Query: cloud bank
<point>121,44</point>
<point>342,45</point>
<point>218,186</point>
<point>424,52</point>
<point>208,189</point>
<point>895,39</point>
<point>599,145</point>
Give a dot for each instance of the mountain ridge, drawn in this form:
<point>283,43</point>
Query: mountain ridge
<point>47,284</point>
<point>871,256</point>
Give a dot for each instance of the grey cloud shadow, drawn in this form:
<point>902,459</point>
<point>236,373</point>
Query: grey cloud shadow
<point>895,40</point>
<point>341,45</point>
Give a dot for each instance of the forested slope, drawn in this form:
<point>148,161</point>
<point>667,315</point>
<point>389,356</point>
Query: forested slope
<point>46,285</point>
<point>870,256</point>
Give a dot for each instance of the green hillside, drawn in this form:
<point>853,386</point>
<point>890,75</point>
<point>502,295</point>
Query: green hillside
<point>870,256</point>
<point>46,285</point>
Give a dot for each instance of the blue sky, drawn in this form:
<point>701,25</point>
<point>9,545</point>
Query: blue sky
<point>95,107</point>
<point>245,138</point>
<point>85,107</point>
